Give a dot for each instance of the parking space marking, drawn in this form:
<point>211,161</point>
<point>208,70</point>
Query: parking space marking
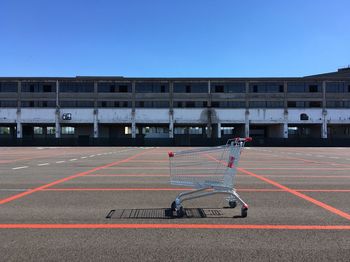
<point>59,162</point>
<point>31,191</point>
<point>296,193</point>
<point>44,164</point>
<point>19,167</point>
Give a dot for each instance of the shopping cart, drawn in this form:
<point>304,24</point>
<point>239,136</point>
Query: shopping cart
<point>209,171</point>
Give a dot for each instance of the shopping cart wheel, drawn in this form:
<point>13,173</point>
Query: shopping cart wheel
<point>173,206</point>
<point>180,212</point>
<point>244,211</point>
<point>232,204</point>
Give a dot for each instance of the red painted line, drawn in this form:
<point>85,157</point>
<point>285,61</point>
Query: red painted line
<point>149,175</point>
<point>323,190</point>
<point>187,189</point>
<point>9,199</point>
<point>116,189</point>
<point>296,168</point>
<point>174,226</point>
<point>128,175</point>
<point>159,168</point>
<point>305,176</point>
<point>296,193</point>
<point>239,175</point>
<point>292,191</point>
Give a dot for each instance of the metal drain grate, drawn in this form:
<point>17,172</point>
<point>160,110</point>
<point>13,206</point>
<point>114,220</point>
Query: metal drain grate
<point>166,213</point>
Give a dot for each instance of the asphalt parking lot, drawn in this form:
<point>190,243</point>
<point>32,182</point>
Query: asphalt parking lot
<point>54,203</point>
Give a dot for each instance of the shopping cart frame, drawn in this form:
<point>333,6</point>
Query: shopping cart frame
<point>206,189</point>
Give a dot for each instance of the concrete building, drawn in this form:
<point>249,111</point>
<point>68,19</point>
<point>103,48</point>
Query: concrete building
<point>174,111</point>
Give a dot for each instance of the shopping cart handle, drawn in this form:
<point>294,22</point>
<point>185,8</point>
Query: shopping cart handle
<point>171,154</point>
<point>246,139</point>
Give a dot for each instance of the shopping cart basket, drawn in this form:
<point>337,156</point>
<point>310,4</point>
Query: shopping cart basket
<point>209,171</point>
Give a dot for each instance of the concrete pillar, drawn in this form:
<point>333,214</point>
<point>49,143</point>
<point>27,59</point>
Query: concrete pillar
<point>58,113</point>
<point>19,130</point>
<point>171,124</point>
<point>285,124</point>
<point>219,130</point>
<point>246,124</point>
<point>133,129</point>
<point>324,131</point>
<point>57,124</point>
<point>19,125</point>
<point>285,130</point>
<point>171,109</point>
<point>96,123</point>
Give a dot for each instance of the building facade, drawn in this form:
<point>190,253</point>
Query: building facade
<point>173,111</point>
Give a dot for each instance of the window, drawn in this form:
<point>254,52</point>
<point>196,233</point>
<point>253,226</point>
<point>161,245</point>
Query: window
<point>38,130</point>
<point>112,104</point>
<point>305,104</point>
<point>8,103</point>
<point>124,89</point>
<point>219,89</point>
<point>50,130</point>
<point>257,104</point>
<point>199,87</point>
<point>8,87</point>
<point>266,88</point>
<point>195,130</point>
<point>48,88</point>
<point>190,104</point>
<point>228,104</point>
<point>77,87</point>
<point>38,87</point>
<point>228,130</point>
<point>295,87</point>
<point>68,130</point>
<point>335,87</point>
<point>82,104</point>
<point>151,87</point>
<point>301,87</point>
<point>154,130</point>
<point>334,104</point>
<point>127,130</point>
<point>160,104</point>
<point>179,130</point>
<point>228,87</point>
<point>5,130</point>
<point>110,87</point>
<point>315,104</point>
<point>313,88</point>
<point>292,130</point>
<point>274,104</point>
<point>292,104</point>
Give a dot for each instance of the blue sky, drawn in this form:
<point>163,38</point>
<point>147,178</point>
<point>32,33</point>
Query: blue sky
<point>183,38</point>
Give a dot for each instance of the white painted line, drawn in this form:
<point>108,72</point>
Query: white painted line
<point>44,164</point>
<point>99,154</point>
<point>59,162</point>
<point>92,155</point>
<point>73,159</point>
<point>334,157</point>
<point>14,189</point>
<point>19,167</point>
<point>83,157</point>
